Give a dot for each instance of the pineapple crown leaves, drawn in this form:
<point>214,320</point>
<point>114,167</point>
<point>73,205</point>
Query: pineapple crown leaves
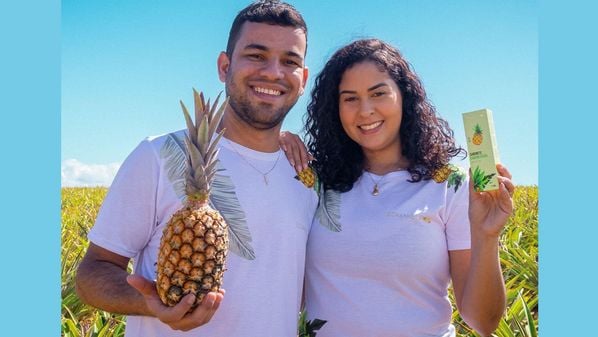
<point>477,128</point>
<point>201,145</point>
<point>222,194</point>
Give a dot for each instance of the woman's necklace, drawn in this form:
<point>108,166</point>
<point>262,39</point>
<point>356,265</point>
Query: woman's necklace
<point>264,174</point>
<point>376,189</point>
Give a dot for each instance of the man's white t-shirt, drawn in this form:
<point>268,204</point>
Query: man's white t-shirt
<point>264,277</point>
<point>386,272</point>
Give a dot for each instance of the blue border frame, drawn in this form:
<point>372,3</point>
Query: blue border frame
<point>30,125</point>
<point>568,230</point>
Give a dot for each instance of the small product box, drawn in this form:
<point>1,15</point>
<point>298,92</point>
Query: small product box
<point>482,148</point>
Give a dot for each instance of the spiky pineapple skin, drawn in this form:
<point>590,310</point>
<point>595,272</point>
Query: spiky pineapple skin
<point>307,177</point>
<point>192,254</point>
<point>477,138</point>
<point>477,135</point>
<point>442,174</point>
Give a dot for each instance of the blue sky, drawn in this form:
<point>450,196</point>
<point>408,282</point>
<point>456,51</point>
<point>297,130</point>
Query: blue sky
<point>126,64</point>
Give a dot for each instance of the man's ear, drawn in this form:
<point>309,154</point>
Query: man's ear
<point>223,65</point>
<point>305,76</point>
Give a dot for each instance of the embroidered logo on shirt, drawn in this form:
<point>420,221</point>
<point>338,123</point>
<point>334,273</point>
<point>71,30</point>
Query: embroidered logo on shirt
<point>412,218</point>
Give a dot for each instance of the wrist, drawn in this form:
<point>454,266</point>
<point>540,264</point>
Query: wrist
<point>484,239</point>
<point>481,232</point>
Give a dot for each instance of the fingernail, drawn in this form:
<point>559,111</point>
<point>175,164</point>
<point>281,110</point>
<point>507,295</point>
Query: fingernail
<point>298,168</point>
<point>304,166</point>
<point>191,299</point>
<point>211,300</point>
<point>292,163</point>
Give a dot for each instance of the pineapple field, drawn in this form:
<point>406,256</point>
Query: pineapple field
<point>519,259</point>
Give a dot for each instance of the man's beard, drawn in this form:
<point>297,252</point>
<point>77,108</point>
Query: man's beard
<point>261,116</point>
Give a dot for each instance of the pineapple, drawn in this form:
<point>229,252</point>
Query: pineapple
<point>477,135</point>
<point>194,244</point>
<point>307,177</point>
<point>441,175</point>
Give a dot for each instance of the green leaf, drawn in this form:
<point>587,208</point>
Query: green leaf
<point>72,328</point>
<point>211,113</point>
<point>212,150</point>
<point>316,324</point>
<point>202,136</point>
<point>504,330</point>
<point>456,178</point>
<point>199,104</point>
<point>194,154</point>
<point>189,122</point>
<point>216,118</point>
<point>531,327</point>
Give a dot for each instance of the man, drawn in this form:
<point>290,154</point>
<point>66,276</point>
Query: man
<point>264,74</point>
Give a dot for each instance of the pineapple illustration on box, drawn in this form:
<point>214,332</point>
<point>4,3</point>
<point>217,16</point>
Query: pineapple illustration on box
<point>193,248</point>
<point>482,147</point>
<point>477,135</point>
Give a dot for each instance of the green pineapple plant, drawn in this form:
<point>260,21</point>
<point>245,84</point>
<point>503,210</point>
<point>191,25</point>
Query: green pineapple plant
<point>481,179</point>
<point>308,328</point>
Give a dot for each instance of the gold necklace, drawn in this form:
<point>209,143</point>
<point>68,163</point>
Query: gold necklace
<point>376,189</point>
<point>264,174</point>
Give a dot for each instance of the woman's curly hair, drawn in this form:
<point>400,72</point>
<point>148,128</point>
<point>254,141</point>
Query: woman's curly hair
<point>427,140</point>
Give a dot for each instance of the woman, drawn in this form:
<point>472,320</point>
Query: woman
<point>397,223</point>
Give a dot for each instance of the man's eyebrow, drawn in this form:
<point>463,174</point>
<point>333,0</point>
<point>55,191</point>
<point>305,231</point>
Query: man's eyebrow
<point>256,46</point>
<point>374,87</point>
<point>264,48</point>
<point>293,54</point>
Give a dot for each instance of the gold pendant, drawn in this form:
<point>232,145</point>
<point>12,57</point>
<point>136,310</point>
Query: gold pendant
<point>375,191</point>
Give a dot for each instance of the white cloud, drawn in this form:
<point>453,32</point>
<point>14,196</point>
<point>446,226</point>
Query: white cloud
<point>75,173</point>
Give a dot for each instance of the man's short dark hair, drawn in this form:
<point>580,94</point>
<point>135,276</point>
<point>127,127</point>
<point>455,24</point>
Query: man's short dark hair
<point>272,12</point>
